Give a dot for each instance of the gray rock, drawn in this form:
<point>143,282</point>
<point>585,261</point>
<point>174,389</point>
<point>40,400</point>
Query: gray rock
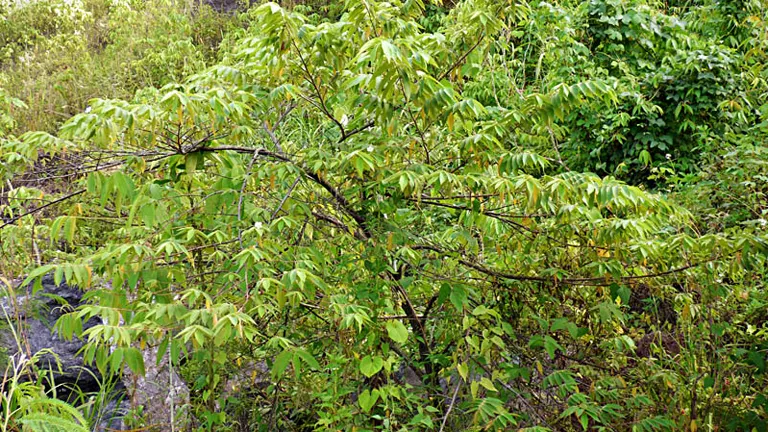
<point>109,411</point>
<point>163,395</point>
<point>33,316</point>
<point>228,6</point>
<point>407,375</point>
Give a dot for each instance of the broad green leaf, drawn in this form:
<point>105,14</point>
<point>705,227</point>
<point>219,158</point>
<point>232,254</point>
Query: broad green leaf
<point>369,366</point>
<point>397,331</point>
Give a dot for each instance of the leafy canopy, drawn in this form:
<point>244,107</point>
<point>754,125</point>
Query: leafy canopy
<point>331,199</point>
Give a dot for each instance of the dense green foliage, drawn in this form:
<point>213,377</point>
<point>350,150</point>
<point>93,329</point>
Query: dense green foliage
<point>547,216</point>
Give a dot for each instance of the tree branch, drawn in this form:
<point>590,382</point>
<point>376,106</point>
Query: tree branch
<point>461,59</point>
<point>337,196</point>
<point>593,281</point>
<point>42,207</point>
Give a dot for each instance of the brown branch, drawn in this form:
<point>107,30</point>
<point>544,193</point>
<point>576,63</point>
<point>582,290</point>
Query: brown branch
<point>331,220</point>
<point>285,198</point>
<point>338,196</point>
<point>356,131</point>
<point>42,207</point>
<point>520,397</point>
<point>319,94</point>
<point>400,317</point>
<point>461,59</point>
<point>271,130</point>
<point>246,177</point>
<point>248,150</point>
<point>594,281</point>
<point>450,406</point>
<point>345,205</point>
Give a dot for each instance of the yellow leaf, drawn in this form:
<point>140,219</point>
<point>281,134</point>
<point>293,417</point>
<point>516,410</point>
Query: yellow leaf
<point>463,370</point>
<point>488,384</point>
<point>623,383</point>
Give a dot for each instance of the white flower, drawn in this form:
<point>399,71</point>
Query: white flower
<point>370,149</point>
<point>668,156</point>
<point>344,120</point>
<point>88,109</point>
<point>258,225</point>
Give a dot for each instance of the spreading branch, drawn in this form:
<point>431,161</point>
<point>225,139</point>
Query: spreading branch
<point>42,207</point>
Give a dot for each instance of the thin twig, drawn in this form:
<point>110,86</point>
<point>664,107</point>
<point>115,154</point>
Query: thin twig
<point>594,281</point>
<point>285,198</point>
<point>450,406</point>
<point>42,207</point>
<point>461,59</point>
<point>240,200</point>
<point>319,94</point>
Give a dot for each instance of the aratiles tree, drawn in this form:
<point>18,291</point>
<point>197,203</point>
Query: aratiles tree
<point>327,201</point>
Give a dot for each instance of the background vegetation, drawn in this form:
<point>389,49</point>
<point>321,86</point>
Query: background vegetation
<point>474,215</point>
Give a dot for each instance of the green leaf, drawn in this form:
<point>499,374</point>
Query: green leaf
<point>367,399</point>
<point>397,331</point>
<point>369,366</point>
<point>281,363</point>
<point>308,359</point>
<point>44,422</point>
<point>134,359</point>
<point>193,160</point>
<point>488,384</point>
<point>551,345</point>
<point>463,370</point>
<point>459,297</point>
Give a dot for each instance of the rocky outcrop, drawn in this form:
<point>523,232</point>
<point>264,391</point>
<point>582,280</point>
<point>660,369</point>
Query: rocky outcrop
<point>161,393</point>
<point>228,6</point>
<point>33,316</point>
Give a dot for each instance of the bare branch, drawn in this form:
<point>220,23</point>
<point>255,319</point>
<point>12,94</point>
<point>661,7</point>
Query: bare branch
<point>42,207</point>
<point>593,281</point>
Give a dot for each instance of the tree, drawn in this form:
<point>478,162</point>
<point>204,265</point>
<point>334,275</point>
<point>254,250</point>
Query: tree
<point>328,200</point>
